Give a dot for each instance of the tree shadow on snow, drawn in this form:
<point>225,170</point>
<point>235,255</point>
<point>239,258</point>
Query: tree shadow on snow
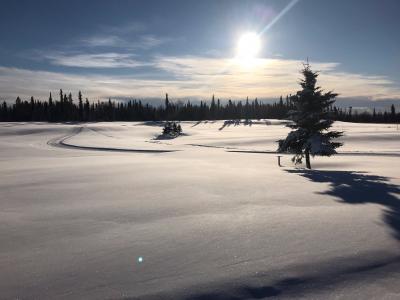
<point>168,137</point>
<point>203,122</point>
<point>361,188</point>
<point>236,122</point>
<point>309,279</point>
<point>352,188</point>
<point>150,123</point>
<point>295,281</point>
<point>303,280</point>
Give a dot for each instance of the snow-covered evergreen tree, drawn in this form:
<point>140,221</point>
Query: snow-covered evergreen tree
<point>172,129</point>
<point>310,122</point>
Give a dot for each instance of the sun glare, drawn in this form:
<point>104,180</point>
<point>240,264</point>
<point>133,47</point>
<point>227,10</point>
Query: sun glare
<point>248,47</point>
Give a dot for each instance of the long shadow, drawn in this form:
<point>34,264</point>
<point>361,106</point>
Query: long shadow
<point>311,279</point>
<point>236,122</point>
<point>150,123</point>
<point>198,123</point>
<point>349,187</point>
<point>296,280</point>
<point>360,188</point>
<point>229,123</point>
<point>162,137</point>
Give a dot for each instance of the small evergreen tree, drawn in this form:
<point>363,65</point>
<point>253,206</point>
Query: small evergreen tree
<point>172,129</point>
<point>310,122</point>
<point>167,128</point>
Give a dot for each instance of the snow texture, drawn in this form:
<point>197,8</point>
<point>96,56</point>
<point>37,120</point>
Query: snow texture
<point>107,211</point>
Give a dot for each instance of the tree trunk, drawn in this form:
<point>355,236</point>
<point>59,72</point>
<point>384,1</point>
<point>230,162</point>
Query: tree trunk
<point>308,164</point>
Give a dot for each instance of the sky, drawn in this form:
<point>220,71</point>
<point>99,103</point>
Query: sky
<point>188,49</point>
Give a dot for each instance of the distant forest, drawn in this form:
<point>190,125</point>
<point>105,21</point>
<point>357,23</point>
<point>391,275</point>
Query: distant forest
<point>65,109</point>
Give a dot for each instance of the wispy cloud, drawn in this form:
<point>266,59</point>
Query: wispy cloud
<point>25,83</point>
<point>128,36</point>
<point>150,41</point>
<point>100,60</point>
<point>145,41</point>
<point>192,76</point>
<point>272,77</point>
<point>103,41</point>
<point>110,47</point>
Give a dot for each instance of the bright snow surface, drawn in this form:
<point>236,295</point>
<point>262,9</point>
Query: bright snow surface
<point>106,211</point>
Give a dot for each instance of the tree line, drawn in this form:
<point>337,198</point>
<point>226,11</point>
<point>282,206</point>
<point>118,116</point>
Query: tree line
<point>66,109</point>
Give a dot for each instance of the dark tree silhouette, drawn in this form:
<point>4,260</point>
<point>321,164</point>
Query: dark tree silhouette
<point>67,109</point>
<point>80,106</point>
<point>311,121</point>
<point>172,129</point>
<point>393,112</point>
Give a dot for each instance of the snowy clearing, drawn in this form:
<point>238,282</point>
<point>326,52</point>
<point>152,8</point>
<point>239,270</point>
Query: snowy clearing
<point>106,211</point>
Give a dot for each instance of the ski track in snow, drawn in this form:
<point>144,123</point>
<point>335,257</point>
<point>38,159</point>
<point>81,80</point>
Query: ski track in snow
<point>209,221</point>
<point>355,153</point>
<point>61,143</point>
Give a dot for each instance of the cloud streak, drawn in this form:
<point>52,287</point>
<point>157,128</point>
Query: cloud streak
<point>190,76</point>
<point>99,60</point>
<point>272,77</point>
<point>128,36</point>
<point>144,41</point>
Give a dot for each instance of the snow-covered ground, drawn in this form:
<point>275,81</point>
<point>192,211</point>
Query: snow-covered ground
<point>108,211</point>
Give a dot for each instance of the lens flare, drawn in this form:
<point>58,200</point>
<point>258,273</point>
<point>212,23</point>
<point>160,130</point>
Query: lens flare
<point>280,15</point>
<point>248,46</point>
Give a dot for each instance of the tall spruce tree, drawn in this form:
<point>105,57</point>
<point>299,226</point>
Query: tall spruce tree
<point>167,107</point>
<point>393,113</point>
<point>311,121</point>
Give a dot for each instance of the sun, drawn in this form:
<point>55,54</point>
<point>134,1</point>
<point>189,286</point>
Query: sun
<point>248,47</point>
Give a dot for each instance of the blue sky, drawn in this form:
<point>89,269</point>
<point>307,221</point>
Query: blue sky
<point>187,48</point>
